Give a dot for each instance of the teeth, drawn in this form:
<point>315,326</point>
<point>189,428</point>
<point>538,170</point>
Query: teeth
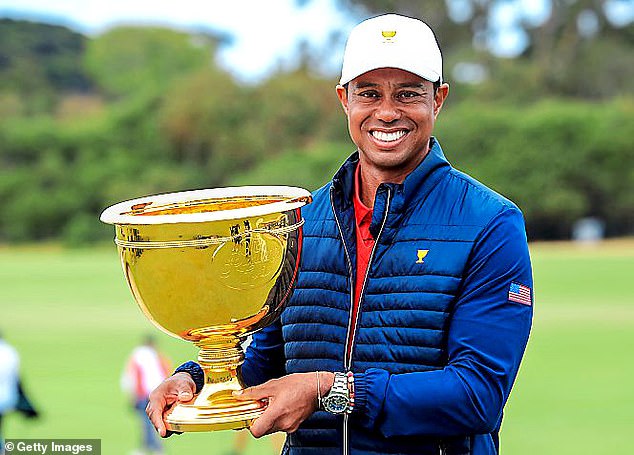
<point>388,137</point>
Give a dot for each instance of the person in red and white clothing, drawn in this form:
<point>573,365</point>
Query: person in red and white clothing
<point>145,370</point>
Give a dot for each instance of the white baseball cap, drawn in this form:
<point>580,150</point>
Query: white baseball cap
<point>392,41</point>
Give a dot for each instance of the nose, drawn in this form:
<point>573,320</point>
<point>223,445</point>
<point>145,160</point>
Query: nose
<point>387,111</point>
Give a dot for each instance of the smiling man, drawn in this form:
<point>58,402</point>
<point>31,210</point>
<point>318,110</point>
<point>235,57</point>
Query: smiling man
<point>391,115</point>
<point>414,300</point>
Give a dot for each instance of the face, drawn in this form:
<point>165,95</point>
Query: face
<point>391,115</point>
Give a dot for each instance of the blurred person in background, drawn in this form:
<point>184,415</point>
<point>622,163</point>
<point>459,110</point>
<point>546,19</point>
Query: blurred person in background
<point>12,395</point>
<point>413,303</point>
<point>146,369</point>
<point>9,380</point>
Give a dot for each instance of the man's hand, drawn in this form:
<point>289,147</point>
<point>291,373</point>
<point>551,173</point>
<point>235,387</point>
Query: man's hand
<point>177,388</point>
<point>291,400</point>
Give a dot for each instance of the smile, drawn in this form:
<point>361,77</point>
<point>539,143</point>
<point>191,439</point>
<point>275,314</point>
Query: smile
<point>388,137</point>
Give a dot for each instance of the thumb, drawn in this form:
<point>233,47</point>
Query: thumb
<point>182,387</point>
<point>251,393</point>
<point>185,395</point>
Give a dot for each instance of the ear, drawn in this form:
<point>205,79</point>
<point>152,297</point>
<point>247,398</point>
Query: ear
<point>342,94</point>
<point>440,97</point>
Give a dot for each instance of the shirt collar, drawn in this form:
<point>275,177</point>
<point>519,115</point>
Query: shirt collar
<point>362,213</point>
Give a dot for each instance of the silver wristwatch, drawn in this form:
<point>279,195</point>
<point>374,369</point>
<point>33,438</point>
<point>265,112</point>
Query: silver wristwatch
<point>337,401</point>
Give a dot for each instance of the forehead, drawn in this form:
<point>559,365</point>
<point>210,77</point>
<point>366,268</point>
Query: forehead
<point>389,77</point>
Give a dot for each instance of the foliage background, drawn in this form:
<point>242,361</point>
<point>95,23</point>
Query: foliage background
<point>88,121</point>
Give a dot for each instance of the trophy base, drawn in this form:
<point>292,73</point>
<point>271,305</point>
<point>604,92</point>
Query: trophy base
<point>214,410</point>
<point>204,422</point>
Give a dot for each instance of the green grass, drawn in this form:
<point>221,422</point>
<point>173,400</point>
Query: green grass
<point>73,320</point>
<point>573,393</point>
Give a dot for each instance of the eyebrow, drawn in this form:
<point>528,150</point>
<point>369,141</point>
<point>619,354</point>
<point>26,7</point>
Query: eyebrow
<point>400,85</point>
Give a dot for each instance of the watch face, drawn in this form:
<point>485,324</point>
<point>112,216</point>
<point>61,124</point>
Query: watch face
<point>336,404</point>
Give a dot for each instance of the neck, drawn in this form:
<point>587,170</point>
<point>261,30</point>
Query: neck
<point>371,177</point>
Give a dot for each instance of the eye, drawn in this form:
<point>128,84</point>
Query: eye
<point>408,95</point>
<point>368,94</point>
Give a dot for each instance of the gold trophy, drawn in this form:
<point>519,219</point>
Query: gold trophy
<point>211,267</point>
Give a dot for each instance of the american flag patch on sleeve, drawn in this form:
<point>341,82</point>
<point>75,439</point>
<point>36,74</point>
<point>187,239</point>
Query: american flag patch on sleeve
<point>520,294</point>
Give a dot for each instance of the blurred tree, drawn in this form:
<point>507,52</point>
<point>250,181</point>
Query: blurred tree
<point>559,161</point>
<point>579,52</point>
<point>226,128</point>
<point>203,118</point>
<point>309,167</point>
<point>296,107</point>
<point>127,60</point>
<point>39,63</point>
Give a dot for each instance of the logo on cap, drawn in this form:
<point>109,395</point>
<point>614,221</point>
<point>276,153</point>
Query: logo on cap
<point>388,36</point>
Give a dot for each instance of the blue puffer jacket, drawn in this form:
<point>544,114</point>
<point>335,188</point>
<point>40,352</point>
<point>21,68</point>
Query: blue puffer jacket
<point>444,317</point>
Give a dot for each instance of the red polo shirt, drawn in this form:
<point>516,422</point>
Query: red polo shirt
<point>365,242</point>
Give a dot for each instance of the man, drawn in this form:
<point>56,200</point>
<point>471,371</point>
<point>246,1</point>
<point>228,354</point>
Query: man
<point>145,369</point>
<point>9,381</point>
<point>413,304</point>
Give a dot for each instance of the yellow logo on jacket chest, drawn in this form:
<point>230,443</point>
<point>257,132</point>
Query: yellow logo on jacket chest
<point>421,256</point>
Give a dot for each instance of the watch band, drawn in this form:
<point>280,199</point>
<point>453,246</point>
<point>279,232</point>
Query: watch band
<point>337,400</point>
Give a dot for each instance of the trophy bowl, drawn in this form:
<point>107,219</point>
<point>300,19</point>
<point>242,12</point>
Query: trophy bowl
<point>211,267</point>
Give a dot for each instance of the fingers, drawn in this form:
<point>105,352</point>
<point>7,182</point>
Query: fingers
<point>291,399</point>
<point>275,419</point>
<point>260,392</point>
<point>262,426</point>
<point>155,410</point>
<point>177,388</point>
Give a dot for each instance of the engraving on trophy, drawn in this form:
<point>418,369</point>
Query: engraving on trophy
<point>134,236</point>
<point>219,378</point>
<point>274,225</point>
<point>247,238</point>
<point>245,262</point>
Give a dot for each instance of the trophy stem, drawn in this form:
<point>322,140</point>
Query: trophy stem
<point>215,407</point>
<point>220,353</point>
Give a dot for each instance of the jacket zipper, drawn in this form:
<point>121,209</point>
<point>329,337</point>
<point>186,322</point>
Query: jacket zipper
<point>349,262</point>
<point>351,323</point>
<point>365,280</point>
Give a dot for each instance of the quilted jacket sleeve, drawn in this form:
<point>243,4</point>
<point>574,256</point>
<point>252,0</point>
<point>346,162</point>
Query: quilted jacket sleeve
<point>264,358</point>
<point>487,336</point>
